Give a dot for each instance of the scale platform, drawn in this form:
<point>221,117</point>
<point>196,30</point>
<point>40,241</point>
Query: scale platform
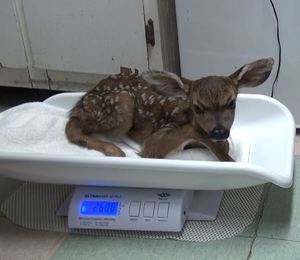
<point>262,142</point>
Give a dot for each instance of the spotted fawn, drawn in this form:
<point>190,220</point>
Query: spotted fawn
<point>161,111</point>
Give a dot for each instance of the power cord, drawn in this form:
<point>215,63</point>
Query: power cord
<point>279,47</point>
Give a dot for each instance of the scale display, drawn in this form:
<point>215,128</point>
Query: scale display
<point>99,208</point>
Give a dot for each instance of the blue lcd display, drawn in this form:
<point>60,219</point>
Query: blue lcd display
<point>99,208</point>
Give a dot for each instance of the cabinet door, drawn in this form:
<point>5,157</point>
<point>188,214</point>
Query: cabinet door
<point>86,36</point>
<point>12,53</point>
<point>13,63</point>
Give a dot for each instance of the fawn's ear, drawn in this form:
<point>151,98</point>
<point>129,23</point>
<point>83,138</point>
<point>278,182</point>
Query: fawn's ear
<point>253,74</point>
<point>165,83</point>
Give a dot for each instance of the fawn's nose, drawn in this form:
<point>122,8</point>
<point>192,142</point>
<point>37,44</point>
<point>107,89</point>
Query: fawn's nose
<point>219,133</point>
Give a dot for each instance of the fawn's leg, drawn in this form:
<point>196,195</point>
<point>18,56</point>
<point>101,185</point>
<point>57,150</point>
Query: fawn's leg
<point>168,140</point>
<point>78,128</point>
<point>77,135</point>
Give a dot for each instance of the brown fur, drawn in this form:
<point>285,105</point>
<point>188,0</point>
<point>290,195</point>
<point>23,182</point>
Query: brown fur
<point>161,111</point>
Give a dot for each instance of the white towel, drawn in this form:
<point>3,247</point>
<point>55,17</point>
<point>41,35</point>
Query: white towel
<point>40,128</point>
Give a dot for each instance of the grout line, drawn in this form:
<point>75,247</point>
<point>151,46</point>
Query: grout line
<point>260,215</point>
<point>58,245</point>
<point>254,238</point>
<point>279,239</point>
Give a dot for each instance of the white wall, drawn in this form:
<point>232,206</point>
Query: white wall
<point>217,37</point>
<point>288,89</point>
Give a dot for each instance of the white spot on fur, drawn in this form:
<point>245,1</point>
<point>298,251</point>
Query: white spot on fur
<point>171,99</point>
<point>162,101</point>
<point>144,96</point>
<point>151,101</point>
<point>175,111</point>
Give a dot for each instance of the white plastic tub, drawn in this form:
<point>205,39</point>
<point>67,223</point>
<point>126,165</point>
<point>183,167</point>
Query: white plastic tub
<point>263,137</point>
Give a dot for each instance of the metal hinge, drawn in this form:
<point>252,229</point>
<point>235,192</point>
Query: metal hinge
<point>149,28</point>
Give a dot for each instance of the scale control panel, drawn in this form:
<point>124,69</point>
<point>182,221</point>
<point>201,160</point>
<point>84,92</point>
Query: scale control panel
<point>129,208</point>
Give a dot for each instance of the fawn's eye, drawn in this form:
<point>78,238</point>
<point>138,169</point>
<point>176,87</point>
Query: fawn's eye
<point>231,104</point>
<point>198,109</point>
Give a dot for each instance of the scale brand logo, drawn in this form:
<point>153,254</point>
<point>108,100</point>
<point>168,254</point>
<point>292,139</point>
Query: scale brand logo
<point>103,196</point>
<point>164,194</point>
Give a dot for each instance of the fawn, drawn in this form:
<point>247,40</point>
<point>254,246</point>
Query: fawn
<point>161,111</point>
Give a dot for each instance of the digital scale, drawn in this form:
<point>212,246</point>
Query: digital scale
<point>138,208</point>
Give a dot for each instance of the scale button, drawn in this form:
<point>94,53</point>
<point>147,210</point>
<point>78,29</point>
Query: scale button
<point>149,209</point>
<point>163,209</point>
<point>134,208</point>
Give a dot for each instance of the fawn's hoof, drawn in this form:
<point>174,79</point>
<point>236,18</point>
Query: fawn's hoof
<point>148,154</point>
<point>228,158</point>
<point>114,151</point>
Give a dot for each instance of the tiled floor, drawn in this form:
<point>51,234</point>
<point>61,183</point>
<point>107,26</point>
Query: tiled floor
<point>276,235</point>
<point>19,243</point>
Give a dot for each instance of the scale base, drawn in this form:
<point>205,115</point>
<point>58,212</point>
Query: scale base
<point>204,206</point>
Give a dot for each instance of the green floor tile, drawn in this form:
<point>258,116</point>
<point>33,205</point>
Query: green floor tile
<point>86,247</point>
<point>281,216</point>
<point>271,249</point>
